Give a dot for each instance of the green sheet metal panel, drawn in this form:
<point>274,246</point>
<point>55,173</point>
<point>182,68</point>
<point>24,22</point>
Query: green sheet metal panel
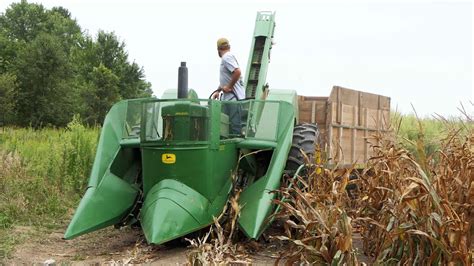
<point>203,169</point>
<point>257,199</point>
<point>185,183</point>
<point>259,58</point>
<point>111,192</point>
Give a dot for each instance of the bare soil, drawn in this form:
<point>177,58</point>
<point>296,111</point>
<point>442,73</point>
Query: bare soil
<point>108,246</point>
<point>104,247</point>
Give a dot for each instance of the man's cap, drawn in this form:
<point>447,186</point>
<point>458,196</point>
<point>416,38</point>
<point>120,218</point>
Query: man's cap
<point>222,43</point>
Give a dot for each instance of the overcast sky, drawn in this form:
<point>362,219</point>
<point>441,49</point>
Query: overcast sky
<point>419,53</point>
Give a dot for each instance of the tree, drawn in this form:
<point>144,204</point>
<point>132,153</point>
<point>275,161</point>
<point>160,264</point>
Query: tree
<point>133,84</point>
<point>109,51</point>
<point>61,25</point>
<point>8,51</point>
<point>58,68</point>
<point>102,93</point>
<point>23,21</point>
<point>7,88</point>
<point>44,75</point>
<point>37,45</point>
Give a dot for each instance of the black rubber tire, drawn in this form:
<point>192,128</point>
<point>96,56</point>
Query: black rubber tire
<point>306,137</point>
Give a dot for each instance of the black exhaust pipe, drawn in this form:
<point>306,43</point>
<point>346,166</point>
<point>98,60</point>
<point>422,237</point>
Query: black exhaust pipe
<point>183,81</point>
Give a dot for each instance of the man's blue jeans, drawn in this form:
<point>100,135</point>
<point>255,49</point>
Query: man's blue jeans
<point>234,111</point>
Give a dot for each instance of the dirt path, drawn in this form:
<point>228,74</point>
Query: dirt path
<point>112,247</point>
<point>109,246</point>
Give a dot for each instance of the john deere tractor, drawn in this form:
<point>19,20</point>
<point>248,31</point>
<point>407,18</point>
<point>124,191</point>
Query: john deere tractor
<point>170,164</point>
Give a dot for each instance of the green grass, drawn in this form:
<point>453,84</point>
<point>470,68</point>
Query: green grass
<point>9,239</point>
<point>7,243</point>
<point>428,132</point>
<point>43,174</point>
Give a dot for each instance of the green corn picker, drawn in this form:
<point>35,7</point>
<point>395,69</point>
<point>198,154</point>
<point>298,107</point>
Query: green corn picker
<point>170,164</point>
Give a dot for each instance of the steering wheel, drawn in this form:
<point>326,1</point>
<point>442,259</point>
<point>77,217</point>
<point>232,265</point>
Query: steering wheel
<point>214,92</point>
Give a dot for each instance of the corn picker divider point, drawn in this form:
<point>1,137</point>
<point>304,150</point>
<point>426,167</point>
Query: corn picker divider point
<point>167,163</point>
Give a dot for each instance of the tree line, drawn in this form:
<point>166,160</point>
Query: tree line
<point>50,69</point>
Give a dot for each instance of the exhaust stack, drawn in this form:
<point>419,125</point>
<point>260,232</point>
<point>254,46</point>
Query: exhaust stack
<point>183,81</point>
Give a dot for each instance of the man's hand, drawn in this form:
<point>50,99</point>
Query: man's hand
<point>235,77</point>
<point>226,88</point>
<point>215,95</point>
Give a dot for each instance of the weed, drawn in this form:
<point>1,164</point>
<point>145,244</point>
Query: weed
<point>43,173</point>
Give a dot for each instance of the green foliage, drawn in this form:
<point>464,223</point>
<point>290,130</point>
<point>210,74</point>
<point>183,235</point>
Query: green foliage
<point>8,240</point>
<point>22,22</point>
<point>103,91</point>
<point>111,53</point>
<point>7,52</point>
<point>58,68</point>
<point>79,154</point>
<point>7,87</point>
<point>43,172</point>
<point>427,132</point>
<point>44,95</point>
<point>101,61</point>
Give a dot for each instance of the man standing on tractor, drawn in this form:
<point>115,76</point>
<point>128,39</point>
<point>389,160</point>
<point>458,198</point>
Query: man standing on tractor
<point>231,84</point>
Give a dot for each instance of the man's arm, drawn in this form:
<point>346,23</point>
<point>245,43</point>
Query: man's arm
<point>235,77</point>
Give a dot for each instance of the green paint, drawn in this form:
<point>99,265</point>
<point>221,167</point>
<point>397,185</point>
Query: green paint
<point>259,58</point>
<point>111,192</point>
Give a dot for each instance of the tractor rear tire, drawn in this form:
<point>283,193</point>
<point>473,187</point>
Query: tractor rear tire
<point>306,137</point>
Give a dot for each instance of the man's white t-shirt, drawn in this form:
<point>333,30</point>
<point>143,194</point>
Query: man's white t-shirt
<point>228,65</point>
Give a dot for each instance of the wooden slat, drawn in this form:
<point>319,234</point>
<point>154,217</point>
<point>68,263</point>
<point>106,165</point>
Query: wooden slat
<point>340,144</point>
<point>359,107</point>
<point>339,106</point>
<point>331,135</point>
<point>366,135</point>
<point>353,137</point>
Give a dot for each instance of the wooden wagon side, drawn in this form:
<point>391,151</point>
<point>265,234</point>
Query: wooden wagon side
<point>346,119</point>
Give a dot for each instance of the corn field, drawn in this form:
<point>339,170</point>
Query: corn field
<point>408,209</point>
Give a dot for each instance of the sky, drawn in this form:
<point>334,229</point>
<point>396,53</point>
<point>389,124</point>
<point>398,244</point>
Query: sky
<point>417,53</point>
